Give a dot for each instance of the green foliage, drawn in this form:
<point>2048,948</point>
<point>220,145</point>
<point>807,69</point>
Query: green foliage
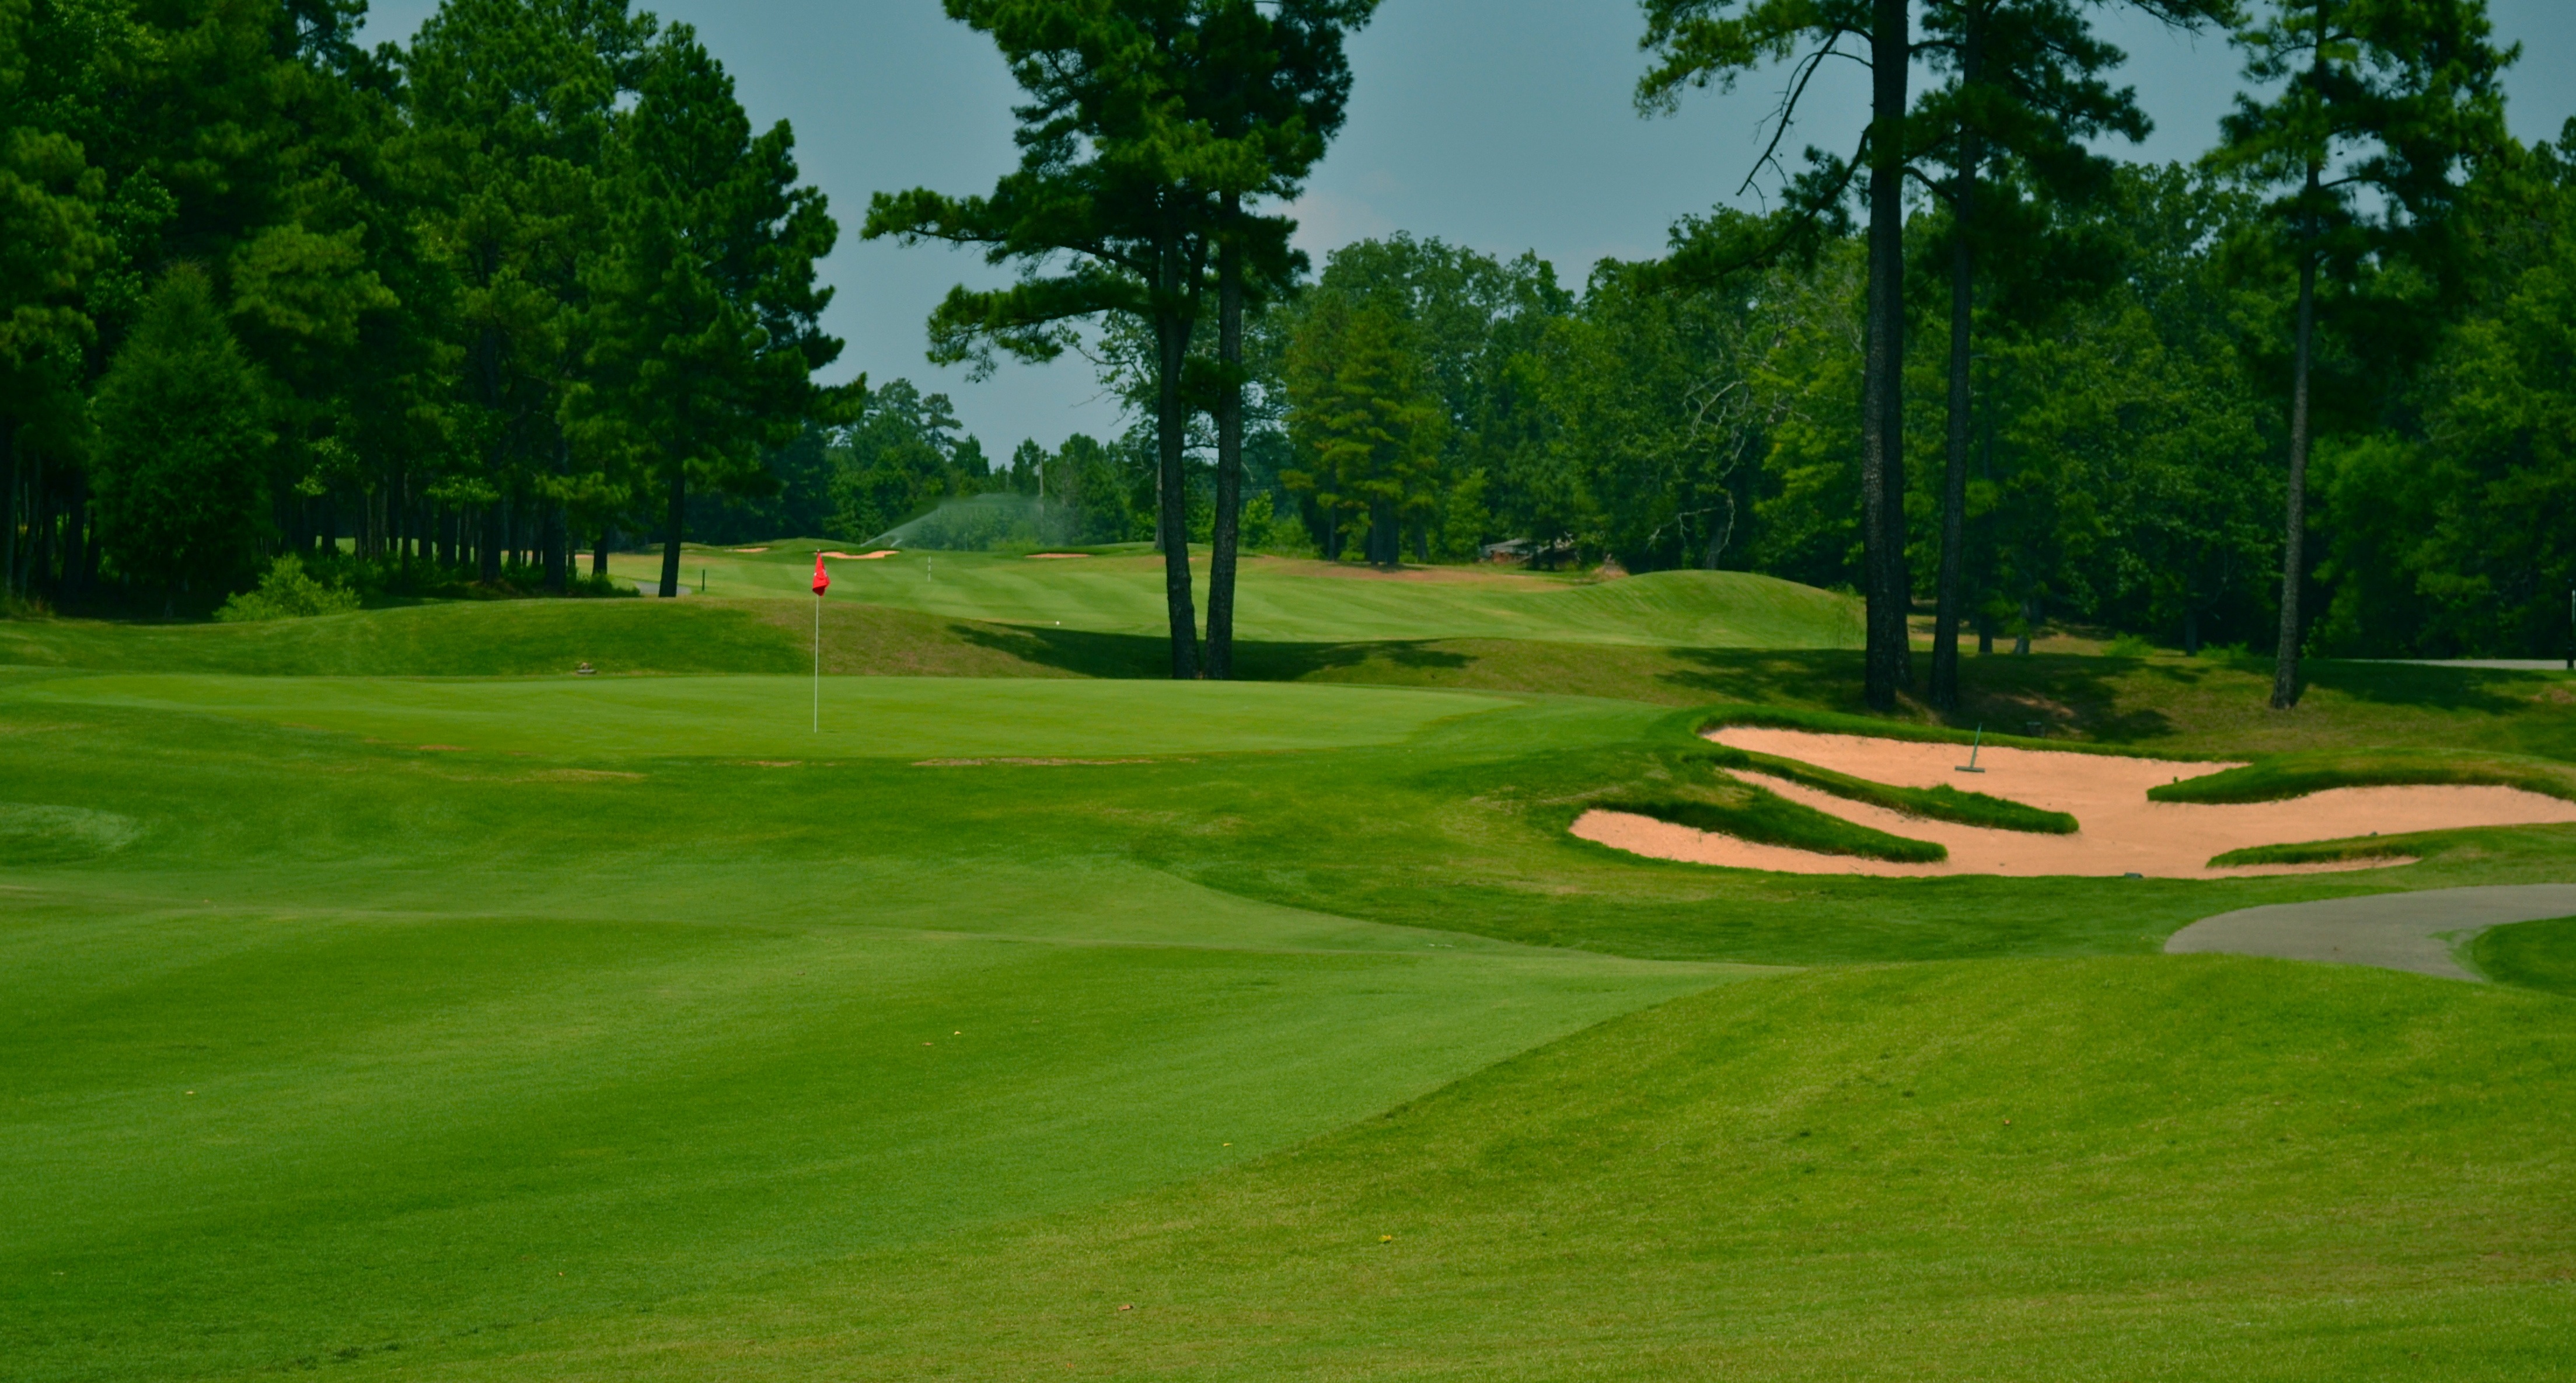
<point>704,335</point>
<point>285,592</point>
<point>905,454</point>
<point>2445,537</point>
<point>1365,428</point>
<point>183,444</point>
<point>2533,955</point>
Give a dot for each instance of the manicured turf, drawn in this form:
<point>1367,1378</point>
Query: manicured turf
<point>2186,1168</point>
<point>774,717</point>
<point>1284,600</point>
<point>2535,955</point>
<point>619,1027</point>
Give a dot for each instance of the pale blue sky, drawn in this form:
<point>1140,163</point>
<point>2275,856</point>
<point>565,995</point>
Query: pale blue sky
<point>1505,125</point>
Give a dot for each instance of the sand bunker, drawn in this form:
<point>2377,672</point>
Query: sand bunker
<point>860,556</point>
<point>1056,556</point>
<point>2122,832</point>
<point>746,549</point>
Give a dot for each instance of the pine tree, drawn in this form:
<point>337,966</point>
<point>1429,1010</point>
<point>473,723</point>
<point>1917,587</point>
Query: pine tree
<point>2385,102</point>
<point>183,445</point>
<point>705,305</point>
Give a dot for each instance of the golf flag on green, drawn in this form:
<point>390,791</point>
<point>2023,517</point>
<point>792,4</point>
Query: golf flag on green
<point>822,583</point>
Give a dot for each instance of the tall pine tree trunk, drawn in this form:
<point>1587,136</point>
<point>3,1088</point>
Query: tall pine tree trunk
<point>76,539</point>
<point>9,517</point>
<point>1227,531</point>
<point>2285,666</point>
<point>671,535</point>
<point>1171,509</point>
<point>1963,303</point>
<point>1887,665</point>
<point>556,537</point>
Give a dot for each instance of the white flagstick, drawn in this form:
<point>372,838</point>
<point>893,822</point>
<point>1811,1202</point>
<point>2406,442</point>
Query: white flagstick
<point>818,662</point>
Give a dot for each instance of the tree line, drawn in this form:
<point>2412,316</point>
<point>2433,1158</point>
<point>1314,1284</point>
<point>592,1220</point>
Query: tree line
<point>2301,391</point>
<point>2307,390</point>
<point>473,300</point>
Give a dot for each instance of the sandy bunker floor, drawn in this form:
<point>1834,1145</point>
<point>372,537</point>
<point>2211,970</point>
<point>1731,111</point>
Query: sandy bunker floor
<point>2122,832</point>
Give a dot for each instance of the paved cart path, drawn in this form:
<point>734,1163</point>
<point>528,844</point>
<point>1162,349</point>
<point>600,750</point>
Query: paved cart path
<point>2395,931</point>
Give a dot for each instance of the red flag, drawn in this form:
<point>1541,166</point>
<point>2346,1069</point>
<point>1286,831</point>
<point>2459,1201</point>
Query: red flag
<point>822,583</point>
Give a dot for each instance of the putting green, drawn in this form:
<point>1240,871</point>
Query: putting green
<point>1283,600</point>
<point>772,717</point>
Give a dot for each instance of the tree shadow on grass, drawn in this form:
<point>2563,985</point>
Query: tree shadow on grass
<point>2495,691</point>
<point>1090,653</point>
<point>2043,694</point>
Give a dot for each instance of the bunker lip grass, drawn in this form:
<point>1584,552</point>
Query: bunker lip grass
<point>2123,831</point>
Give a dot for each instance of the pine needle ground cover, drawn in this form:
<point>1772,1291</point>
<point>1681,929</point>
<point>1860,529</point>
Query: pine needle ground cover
<point>402,1023</point>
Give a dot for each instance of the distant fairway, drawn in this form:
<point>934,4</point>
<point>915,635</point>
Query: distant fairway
<point>773,716</point>
<point>1278,599</point>
<point>432,1013</point>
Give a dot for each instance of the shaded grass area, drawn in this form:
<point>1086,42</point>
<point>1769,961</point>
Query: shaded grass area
<point>2282,776</point>
<point>2168,706</point>
<point>2203,1167</point>
<point>2534,955</point>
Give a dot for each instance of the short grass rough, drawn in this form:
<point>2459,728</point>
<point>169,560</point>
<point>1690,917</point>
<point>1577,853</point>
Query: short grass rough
<point>2534,955</point>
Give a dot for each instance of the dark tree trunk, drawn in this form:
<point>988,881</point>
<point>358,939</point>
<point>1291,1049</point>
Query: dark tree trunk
<point>487,544</point>
<point>1171,509</point>
<point>76,540</point>
<point>1226,532</point>
<point>9,517</point>
<point>679,513</point>
<point>2190,632</point>
<point>2285,666</point>
<point>1385,539</point>
<point>599,555</point>
<point>558,534</point>
<point>1888,662</point>
<point>1954,476</point>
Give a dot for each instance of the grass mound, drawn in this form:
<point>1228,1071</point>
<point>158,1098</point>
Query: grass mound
<point>2534,955</point>
<point>1748,812</point>
<point>2283,776</point>
<point>1941,803</point>
<point>1281,600</point>
<point>2206,1168</point>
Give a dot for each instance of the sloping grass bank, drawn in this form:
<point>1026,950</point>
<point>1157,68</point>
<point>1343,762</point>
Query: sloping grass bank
<point>2281,776</point>
<point>2162,1168</point>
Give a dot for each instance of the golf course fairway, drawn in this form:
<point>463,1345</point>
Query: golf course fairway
<point>385,1001</point>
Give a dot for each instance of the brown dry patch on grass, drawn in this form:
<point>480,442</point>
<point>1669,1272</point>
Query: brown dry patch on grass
<point>1022,763</point>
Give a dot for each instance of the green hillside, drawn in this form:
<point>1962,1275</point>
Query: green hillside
<point>1284,600</point>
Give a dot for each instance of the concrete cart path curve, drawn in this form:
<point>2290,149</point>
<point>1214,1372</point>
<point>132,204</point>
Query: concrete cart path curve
<point>2394,931</point>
